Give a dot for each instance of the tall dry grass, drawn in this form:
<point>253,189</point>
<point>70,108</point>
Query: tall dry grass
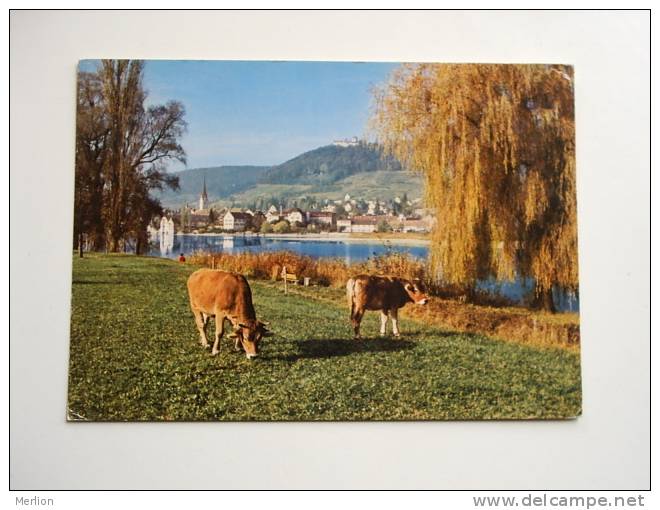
<point>326,272</point>
<point>455,307</point>
<point>335,272</point>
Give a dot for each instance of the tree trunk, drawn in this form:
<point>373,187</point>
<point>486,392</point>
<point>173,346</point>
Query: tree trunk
<point>544,300</point>
<point>80,244</point>
<point>114,243</point>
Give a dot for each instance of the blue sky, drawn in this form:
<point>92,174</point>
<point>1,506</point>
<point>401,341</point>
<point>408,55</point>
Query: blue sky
<point>263,113</point>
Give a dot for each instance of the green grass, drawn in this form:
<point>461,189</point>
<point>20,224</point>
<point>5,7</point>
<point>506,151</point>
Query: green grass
<point>135,356</point>
<point>381,185</point>
<point>250,195</point>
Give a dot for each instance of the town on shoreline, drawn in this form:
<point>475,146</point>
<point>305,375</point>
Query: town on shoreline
<point>375,237</point>
<point>338,219</point>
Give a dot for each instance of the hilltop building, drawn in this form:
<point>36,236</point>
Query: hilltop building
<point>347,142</point>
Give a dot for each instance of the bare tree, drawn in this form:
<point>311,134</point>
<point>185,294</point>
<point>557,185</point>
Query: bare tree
<point>91,154</point>
<point>139,142</point>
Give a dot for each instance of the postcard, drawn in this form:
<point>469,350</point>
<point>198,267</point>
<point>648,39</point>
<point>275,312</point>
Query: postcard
<point>314,241</point>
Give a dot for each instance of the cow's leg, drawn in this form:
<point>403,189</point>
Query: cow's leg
<point>201,327</point>
<point>237,342</point>
<point>394,314</point>
<point>219,331</point>
<point>383,322</point>
<point>356,319</point>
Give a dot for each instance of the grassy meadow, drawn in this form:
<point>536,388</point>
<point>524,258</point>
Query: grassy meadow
<point>135,356</point>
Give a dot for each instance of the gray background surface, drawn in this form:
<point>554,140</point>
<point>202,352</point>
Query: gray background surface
<point>608,447</point>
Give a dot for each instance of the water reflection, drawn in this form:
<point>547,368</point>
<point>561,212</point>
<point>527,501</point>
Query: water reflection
<point>166,237</point>
<point>349,252</point>
<point>228,244</point>
<point>520,291</point>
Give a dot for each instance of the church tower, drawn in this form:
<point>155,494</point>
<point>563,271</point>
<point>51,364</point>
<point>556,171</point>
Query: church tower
<point>203,198</point>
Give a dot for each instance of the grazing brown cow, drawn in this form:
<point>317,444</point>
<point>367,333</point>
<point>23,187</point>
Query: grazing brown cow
<point>225,296</point>
<point>384,293</point>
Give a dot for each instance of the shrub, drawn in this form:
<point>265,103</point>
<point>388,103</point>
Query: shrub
<point>281,227</point>
<point>383,226</point>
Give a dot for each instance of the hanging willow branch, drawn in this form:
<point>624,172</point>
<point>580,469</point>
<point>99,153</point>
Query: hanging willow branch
<point>495,144</point>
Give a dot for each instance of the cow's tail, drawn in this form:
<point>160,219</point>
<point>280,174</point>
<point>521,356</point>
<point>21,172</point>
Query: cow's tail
<point>350,295</point>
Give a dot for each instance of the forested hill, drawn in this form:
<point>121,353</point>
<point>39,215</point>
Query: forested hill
<point>329,164</point>
<point>221,182</point>
<point>320,170</point>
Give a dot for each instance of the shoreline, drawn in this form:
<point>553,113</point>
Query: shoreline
<point>331,236</point>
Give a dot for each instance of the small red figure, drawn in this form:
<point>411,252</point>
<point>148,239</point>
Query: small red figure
<point>182,258</point>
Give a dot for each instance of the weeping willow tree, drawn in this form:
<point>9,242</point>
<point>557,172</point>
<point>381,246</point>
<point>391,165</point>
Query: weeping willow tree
<point>496,147</point>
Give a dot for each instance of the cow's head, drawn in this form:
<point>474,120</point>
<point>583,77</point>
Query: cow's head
<point>416,292</point>
<point>250,333</point>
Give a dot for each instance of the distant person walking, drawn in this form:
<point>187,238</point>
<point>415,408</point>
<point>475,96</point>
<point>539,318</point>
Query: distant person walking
<point>182,258</point>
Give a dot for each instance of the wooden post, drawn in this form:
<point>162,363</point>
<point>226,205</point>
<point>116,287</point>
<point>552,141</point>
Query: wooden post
<point>284,276</point>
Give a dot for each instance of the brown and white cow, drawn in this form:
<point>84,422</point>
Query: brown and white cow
<point>228,296</point>
<point>384,293</point>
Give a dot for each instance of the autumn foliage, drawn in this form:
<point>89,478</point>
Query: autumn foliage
<point>496,146</point>
<point>325,272</point>
<point>122,148</point>
<point>335,272</point>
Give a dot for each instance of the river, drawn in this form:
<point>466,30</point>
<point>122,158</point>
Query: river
<point>348,250</point>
